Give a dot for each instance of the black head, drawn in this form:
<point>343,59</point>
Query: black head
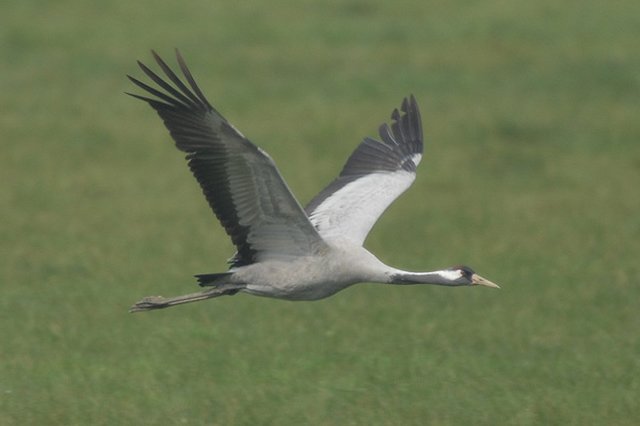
<point>465,271</point>
<point>467,276</point>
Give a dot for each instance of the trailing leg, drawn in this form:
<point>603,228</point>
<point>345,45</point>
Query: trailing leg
<point>159,302</point>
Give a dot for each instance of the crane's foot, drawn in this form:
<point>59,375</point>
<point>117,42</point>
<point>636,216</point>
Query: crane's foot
<point>150,303</point>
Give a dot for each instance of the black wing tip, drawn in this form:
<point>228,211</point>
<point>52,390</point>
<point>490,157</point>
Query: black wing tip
<point>411,99</point>
<point>156,55</point>
<point>409,105</point>
<point>161,62</point>
<point>178,54</point>
<point>143,67</point>
<point>135,96</point>
<point>157,58</point>
<point>178,94</point>
<point>407,126</point>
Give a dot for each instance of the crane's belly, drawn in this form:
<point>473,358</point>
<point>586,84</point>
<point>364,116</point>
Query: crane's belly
<point>306,291</point>
<point>294,280</point>
<point>311,277</point>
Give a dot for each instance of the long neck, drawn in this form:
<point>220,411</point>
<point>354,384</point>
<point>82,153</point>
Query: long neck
<point>443,277</point>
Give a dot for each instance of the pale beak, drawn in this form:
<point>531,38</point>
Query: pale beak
<point>478,280</point>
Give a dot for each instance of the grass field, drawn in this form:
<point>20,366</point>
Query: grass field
<point>531,175</point>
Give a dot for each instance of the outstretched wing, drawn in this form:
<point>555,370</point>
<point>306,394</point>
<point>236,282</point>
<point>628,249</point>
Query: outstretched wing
<point>240,181</point>
<point>374,176</point>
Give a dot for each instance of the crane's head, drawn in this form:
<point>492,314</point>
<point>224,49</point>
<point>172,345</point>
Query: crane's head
<point>463,275</point>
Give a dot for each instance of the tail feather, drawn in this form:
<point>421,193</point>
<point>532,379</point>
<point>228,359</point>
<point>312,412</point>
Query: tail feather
<point>212,280</point>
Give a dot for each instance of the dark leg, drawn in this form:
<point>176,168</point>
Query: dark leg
<point>159,302</point>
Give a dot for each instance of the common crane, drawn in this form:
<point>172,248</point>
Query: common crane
<point>283,250</point>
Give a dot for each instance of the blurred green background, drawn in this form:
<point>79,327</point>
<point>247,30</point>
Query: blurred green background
<point>532,120</point>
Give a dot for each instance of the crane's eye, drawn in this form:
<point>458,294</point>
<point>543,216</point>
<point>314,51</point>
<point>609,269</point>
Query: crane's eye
<point>466,272</point>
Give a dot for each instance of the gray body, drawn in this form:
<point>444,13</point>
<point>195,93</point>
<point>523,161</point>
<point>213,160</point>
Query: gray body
<point>313,277</point>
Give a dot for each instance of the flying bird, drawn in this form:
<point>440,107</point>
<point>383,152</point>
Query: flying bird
<point>285,251</point>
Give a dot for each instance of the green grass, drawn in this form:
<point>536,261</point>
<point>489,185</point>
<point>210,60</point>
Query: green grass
<point>531,176</point>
